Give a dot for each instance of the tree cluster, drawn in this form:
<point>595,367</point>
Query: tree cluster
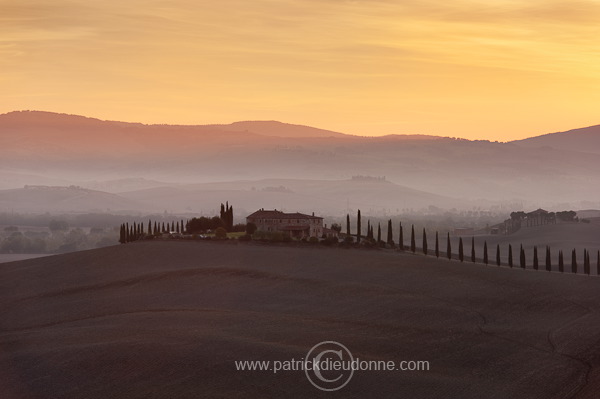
<point>226,216</point>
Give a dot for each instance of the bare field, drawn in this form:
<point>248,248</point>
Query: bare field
<point>169,319</point>
<point>4,258</point>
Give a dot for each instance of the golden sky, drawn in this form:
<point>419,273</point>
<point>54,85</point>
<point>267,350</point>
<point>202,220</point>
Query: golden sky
<point>479,69</point>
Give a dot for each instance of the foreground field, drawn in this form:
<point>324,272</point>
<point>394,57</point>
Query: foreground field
<point>169,320</point>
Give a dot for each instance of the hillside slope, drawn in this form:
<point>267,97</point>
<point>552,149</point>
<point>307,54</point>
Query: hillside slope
<point>169,319</point>
<point>41,199</point>
<point>35,145</point>
<point>586,139</point>
<point>328,197</point>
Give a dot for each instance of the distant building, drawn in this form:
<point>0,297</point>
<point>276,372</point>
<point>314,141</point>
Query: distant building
<point>330,233</point>
<point>296,225</point>
<point>540,217</point>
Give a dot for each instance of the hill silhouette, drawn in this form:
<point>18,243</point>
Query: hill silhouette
<point>41,199</point>
<point>46,147</point>
<point>586,139</point>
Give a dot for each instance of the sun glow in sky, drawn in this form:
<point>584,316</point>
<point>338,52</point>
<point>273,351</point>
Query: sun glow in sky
<point>479,69</point>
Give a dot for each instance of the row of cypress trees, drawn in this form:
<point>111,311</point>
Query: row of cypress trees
<point>461,252</point>
<point>522,256</point>
<point>136,231</point>
<point>371,231</point>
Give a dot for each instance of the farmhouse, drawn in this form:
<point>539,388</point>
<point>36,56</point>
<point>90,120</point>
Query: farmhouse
<point>540,217</point>
<point>297,225</point>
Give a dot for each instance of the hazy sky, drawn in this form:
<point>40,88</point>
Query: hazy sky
<point>493,69</point>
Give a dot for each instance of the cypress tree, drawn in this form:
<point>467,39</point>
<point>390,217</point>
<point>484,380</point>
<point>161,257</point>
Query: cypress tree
<point>177,228</point>
<point>586,262</point>
<point>378,233</point>
<point>473,249</point>
<point>510,257</point>
<point>461,254</point>
<point>127,238</point>
<point>182,227</point>
<point>498,255</point>
<point>437,245</point>
<point>348,224</point>
<point>149,227</point>
<point>163,228</point>
<point>561,262</point>
<point>522,258</point>
<point>413,243</point>
<point>424,241</point>
<point>589,265</point>
<point>598,264</point>
<point>172,226</point>
<point>574,262</point>
<point>122,234</point>
<point>155,231</point>
<point>358,222</point>
<point>535,258</point>
<point>485,253</point>
<point>548,259</point>
<point>449,248</point>
<point>401,238</point>
<point>390,233</point>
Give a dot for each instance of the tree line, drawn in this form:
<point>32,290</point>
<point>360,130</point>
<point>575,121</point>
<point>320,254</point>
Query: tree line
<point>139,231</point>
<point>462,256</point>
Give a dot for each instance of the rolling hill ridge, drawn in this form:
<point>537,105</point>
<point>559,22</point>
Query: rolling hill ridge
<point>73,149</point>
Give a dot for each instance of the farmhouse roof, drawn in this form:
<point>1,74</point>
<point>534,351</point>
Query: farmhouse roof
<point>275,214</point>
<point>538,211</point>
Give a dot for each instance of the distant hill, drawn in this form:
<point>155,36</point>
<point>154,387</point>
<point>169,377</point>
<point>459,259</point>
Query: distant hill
<point>126,184</point>
<point>39,199</point>
<point>46,148</point>
<point>586,139</point>
<point>588,213</point>
<point>277,129</point>
<point>330,197</point>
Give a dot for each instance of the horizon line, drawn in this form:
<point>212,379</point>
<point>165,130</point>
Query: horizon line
<point>433,136</point>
